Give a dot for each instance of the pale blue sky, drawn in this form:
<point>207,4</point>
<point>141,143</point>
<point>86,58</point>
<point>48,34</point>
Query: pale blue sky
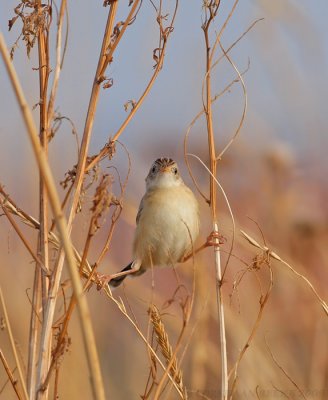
<point>287,81</point>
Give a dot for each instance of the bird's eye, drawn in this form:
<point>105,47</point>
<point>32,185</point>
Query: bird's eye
<point>175,171</point>
<point>153,170</point>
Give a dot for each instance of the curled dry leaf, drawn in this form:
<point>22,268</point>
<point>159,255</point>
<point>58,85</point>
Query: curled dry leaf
<point>69,177</point>
<point>108,83</point>
<point>130,104</point>
<point>108,2</point>
<point>156,55</point>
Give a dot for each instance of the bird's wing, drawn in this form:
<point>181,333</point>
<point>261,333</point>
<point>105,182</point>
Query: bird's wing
<point>140,210</point>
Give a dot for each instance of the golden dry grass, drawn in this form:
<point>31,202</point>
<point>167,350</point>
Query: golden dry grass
<point>160,335</point>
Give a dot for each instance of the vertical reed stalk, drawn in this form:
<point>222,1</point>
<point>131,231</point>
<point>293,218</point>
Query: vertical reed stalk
<point>43,248</point>
<point>211,12</point>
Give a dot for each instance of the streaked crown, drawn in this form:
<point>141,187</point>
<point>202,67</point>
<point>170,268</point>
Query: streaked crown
<point>164,162</point>
<point>163,172</point>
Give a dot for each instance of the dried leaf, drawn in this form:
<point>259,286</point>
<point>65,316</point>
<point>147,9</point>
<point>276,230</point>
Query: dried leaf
<point>108,2</point>
<point>11,22</point>
<point>130,104</point>
<point>108,83</point>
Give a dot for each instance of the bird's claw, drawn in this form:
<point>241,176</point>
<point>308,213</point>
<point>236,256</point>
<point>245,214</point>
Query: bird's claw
<point>103,280</point>
<point>215,239</point>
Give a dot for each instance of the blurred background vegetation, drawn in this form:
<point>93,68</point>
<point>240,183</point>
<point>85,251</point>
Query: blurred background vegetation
<point>274,174</point>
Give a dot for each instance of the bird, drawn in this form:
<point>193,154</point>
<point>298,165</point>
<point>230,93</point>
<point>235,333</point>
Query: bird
<point>167,222</point>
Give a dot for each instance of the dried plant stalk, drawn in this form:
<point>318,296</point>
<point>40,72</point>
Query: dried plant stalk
<point>9,206</point>
<point>51,103</point>
<point>211,10</point>
<point>10,375</point>
<point>121,307</point>
<point>275,256</point>
<point>299,390</point>
<point>166,349</point>
<point>102,63</point>
<point>79,178</point>
<point>45,292</point>
<point>85,320</point>
<point>264,260</point>
<point>164,35</point>
<point>12,343</point>
<point>41,282</point>
<point>78,182</point>
<point>20,235</point>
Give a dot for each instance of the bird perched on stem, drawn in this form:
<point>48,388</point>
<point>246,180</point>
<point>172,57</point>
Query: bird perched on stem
<point>167,222</point>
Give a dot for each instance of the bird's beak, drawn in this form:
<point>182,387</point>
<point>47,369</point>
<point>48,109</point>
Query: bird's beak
<point>165,169</point>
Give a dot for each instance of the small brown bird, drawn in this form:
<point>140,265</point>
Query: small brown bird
<point>167,222</point>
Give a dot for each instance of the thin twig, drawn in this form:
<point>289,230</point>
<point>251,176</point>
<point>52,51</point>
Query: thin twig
<point>80,169</point>
<point>112,47</point>
<point>118,209</point>
<point>58,66</point>
<point>137,105</point>
<point>213,100</point>
<point>192,123</point>
<point>263,301</point>
<point>242,119</point>
<point>31,222</point>
<point>274,255</point>
<point>219,35</point>
<point>284,371</point>
<point>12,207</point>
<point>22,237</point>
<point>58,350</point>
<point>120,305</point>
<point>12,341</point>
<point>229,209</point>
<point>237,41</point>
<point>13,381</point>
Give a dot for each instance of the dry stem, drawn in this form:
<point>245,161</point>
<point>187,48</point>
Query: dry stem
<point>103,61</point>
<point>13,381</point>
<point>51,103</point>
<point>41,282</point>
<point>21,236</point>
<point>12,343</point>
<point>216,97</point>
<point>275,256</point>
<point>165,33</point>
<point>88,336</point>
<point>121,307</point>
<point>78,182</point>
<point>263,301</point>
<point>285,372</point>
<point>211,10</point>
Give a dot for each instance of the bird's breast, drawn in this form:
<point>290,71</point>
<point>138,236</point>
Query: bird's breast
<point>168,225</point>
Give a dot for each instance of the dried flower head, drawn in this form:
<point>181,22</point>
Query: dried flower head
<point>102,200</point>
<point>35,17</point>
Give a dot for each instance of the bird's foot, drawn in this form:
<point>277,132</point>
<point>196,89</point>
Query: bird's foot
<point>103,280</point>
<point>215,238</point>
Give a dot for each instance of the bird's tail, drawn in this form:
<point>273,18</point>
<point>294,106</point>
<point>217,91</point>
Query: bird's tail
<point>117,281</point>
